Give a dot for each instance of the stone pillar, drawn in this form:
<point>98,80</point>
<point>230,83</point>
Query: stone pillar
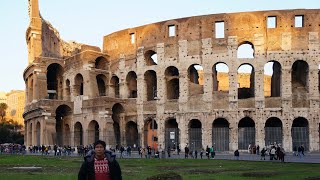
<point>233,90</point>
<point>286,87</point>
<point>206,133</point>
<point>287,137</point>
<point>122,129</point>
<point>313,86</point>
<point>259,83</point>
<point>260,131</point>
<point>33,137</point>
<point>233,136</point>
<point>26,134</point>
<point>183,126</point>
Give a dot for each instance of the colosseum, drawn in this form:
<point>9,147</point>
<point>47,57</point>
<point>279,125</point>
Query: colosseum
<point>177,83</point>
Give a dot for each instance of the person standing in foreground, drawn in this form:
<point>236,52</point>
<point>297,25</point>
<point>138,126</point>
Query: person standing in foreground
<point>100,164</point>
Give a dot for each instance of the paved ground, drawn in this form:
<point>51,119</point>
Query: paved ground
<point>308,158</point>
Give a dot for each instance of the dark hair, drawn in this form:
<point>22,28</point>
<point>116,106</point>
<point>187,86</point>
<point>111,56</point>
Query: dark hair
<point>100,142</point>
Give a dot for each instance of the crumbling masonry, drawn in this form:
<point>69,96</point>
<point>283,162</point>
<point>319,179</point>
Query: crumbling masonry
<point>160,85</point>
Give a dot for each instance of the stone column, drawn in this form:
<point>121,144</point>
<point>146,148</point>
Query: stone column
<point>287,137</point>
<point>122,129</point>
<point>286,87</point>
<point>233,90</point>
<point>233,136</point>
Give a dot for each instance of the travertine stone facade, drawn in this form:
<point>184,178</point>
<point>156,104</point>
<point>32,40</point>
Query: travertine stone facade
<point>78,93</point>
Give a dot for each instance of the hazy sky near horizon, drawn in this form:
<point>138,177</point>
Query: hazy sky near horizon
<point>88,21</point>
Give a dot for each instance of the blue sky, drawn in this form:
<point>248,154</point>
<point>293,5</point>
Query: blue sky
<point>88,21</point>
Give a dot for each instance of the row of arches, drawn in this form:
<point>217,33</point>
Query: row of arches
<point>220,77</point>
<point>220,134</point>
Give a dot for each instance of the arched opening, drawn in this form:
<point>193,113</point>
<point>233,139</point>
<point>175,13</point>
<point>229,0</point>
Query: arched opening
<point>54,81</point>
<point>172,140</point>
<point>172,82</point>
<point>300,85</point>
<point>245,50</point>
<point>132,84</point>
<point>246,81</point>
<point>273,131</point>
<point>101,79</point>
<point>63,113</point>
<point>195,135</point>
<point>195,74</point>
<point>93,131</point>
<point>67,136</point>
<point>272,79</point>
<point>38,133</point>
<point>220,91</point>
<point>300,133</point>
<point>68,90</point>
<point>132,138</point>
<point>151,58</point>
<point>220,134</point>
<point>78,134</point>
<point>101,63</point>
<point>78,85</point>
<point>114,87</point>
<point>150,78</point>
<point>151,133</point>
<point>117,116</point>
<point>220,76</point>
<point>246,133</point>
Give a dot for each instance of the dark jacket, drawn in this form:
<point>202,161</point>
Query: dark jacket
<point>87,169</point>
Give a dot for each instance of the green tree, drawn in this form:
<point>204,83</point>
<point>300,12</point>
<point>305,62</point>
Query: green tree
<point>3,108</point>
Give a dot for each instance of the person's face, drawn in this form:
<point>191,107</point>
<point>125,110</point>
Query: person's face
<point>99,149</point>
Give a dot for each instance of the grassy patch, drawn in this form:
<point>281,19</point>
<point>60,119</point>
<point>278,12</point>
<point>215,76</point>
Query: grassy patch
<point>68,167</point>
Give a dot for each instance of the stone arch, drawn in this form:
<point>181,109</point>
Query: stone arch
<point>117,117</point>
<point>300,132</point>
<point>272,86</point>
<point>79,85</point>
<point>150,78</point>
<point>132,84</point>
<point>246,81</point>
<point>195,75</point>
<point>195,135</point>
<point>101,79</point>
<point>220,134</point>
<point>115,87</point>
<point>93,131</point>
<point>54,81</point>
<point>172,136</point>
<point>68,90</point>
<point>38,134</point>
<point>220,76</point>
<point>63,113</point>
<point>101,63</point>
<point>246,133</point>
<point>151,133</point>
<point>151,58</point>
<point>78,134</point>
<point>273,131</point>
<point>245,50</point>
<point>172,82</point>
<point>67,136</point>
<point>300,83</point>
<point>132,135</point>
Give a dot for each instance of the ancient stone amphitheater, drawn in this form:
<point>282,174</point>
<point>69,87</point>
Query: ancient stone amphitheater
<point>177,83</point>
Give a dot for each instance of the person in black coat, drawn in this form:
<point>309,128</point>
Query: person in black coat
<point>100,164</point>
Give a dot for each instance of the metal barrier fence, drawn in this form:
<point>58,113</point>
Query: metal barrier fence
<point>246,136</point>
<point>220,138</point>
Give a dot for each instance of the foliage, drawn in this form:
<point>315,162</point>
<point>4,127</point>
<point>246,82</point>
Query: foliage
<point>3,108</point>
<point>9,134</point>
<point>68,167</point>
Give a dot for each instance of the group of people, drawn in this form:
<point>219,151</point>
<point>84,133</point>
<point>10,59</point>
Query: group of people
<point>10,148</point>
